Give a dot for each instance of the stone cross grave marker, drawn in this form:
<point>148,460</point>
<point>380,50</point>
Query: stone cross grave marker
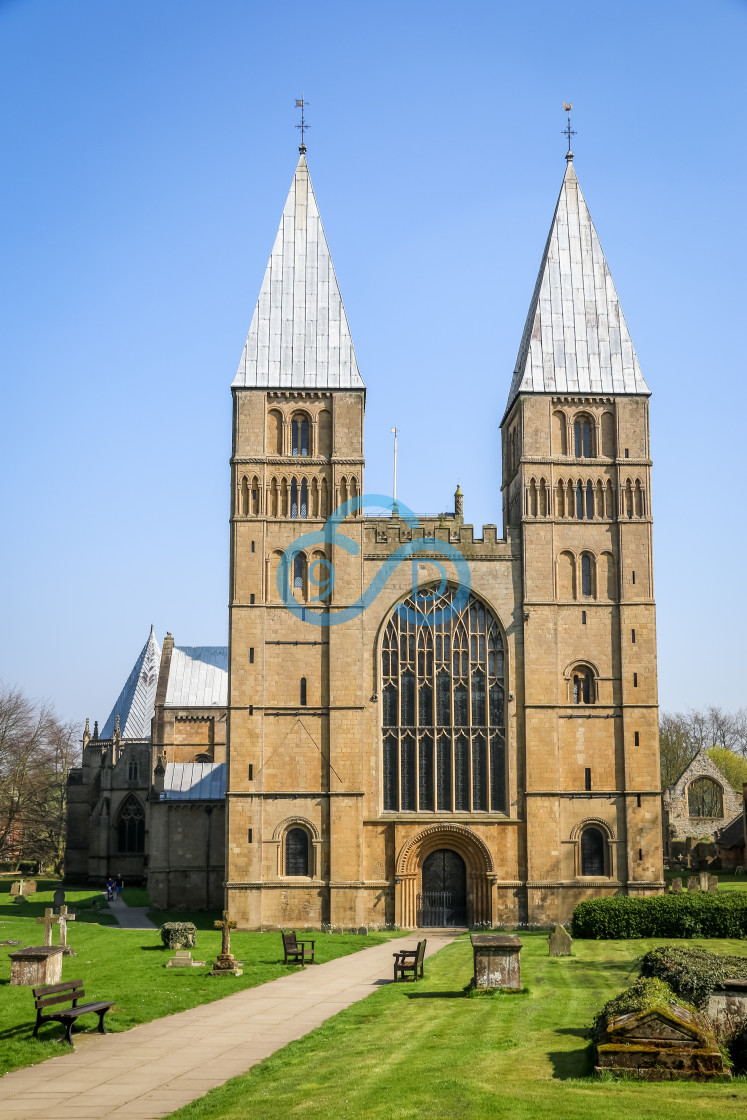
<point>676,886</point>
<point>560,942</point>
<point>63,918</point>
<point>23,887</point>
<point>226,965</point>
<point>693,883</point>
<point>47,921</point>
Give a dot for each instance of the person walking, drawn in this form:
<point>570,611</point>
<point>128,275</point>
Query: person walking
<point>118,885</point>
<point>109,889</point>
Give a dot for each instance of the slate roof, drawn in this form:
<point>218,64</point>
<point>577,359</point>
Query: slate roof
<point>732,834</point>
<point>198,677</point>
<point>575,339</point>
<point>135,703</point>
<point>299,336</point>
<point>194,781</point>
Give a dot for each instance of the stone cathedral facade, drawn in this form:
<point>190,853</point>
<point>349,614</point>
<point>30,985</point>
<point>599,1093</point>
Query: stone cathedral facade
<point>438,755</point>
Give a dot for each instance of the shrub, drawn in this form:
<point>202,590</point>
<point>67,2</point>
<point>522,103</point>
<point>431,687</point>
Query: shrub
<point>664,915</point>
<point>692,973</point>
<point>178,935</point>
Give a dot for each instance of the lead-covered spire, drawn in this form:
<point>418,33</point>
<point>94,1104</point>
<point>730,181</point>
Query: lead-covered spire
<point>299,336</point>
<point>575,339</point>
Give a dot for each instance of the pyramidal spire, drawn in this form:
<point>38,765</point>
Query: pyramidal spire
<point>136,702</point>
<point>575,339</point>
<point>299,336</point>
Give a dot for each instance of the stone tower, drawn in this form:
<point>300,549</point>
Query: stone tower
<point>298,404</point>
<point>577,481</point>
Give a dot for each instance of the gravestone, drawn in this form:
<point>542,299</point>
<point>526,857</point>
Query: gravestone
<point>363,931</point>
<point>63,918</point>
<point>713,882</point>
<point>59,898</point>
<point>693,883</point>
<point>23,887</point>
<point>727,1004</point>
<point>182,958</point>
<point>704,877</point>
<point>47,921</point>
<point>659,1044</point>
<point>226,964</point>
<point>39,964</point>
<point>560,942</point>
<point>496,961</point>
<point>676,887</point>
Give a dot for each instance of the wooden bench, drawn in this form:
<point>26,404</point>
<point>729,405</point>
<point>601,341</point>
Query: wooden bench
<point>409,961</point>
<point>296,951</point>
<point>70,991</point>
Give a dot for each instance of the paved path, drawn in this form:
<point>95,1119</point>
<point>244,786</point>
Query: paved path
<point>154,1069</point>
<point>130,917</point>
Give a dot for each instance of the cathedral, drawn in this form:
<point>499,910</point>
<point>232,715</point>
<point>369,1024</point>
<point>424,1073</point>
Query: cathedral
<point>415,721</point>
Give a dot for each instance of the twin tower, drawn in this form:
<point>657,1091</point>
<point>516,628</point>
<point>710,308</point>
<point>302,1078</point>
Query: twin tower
<point>441,754</point>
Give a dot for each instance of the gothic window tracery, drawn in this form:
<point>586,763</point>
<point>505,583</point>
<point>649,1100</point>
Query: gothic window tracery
<point>443,709</point>
<point>131,827</point>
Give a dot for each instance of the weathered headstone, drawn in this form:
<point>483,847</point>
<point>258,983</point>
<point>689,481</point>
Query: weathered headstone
<point>226,964</point>
<point>560,942</point>
<point>727,1005</point>
<point>23,887</point>
<point>496,961</point>
<point>59,898</point>
<point>676,887</point>
<point>39,964</point>
<point>182,958</point>
<point>693,883</point>
<point>659,1044</point>
<point>703,876</point>
<point>713,882</point>
<point>363,931</point>
<point>63,918</point>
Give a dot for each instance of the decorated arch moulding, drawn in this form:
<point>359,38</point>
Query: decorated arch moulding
<point>578,663</point>
<point>456,836</point>
<point>293,822</point>
<point>588,822</point>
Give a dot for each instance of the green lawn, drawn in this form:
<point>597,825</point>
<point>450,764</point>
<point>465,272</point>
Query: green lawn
<point>727,880</point>
<point>128,966</point>
<point>414,1051</point>
<point>85,902</point>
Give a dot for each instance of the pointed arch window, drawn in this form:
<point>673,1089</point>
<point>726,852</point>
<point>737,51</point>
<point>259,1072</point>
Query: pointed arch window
<point>131,827</point>
<point>443,712</point>
<point>705,798</point>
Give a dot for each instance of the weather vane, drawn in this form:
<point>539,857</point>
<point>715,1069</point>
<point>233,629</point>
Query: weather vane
<point>303,126</point>
<point>567,131</point>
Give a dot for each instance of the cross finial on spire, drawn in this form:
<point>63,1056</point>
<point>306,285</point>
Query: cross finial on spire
<point>568,131</point>
<point>303,126</point>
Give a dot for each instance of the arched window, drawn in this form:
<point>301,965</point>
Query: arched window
<point>274,432</point>
<point>300,435</point>
<point>244,497</point>
<point>274,495</point>
<point>583,686</point>
<point>560,499</point>
<point>566,576</point>
<point>590,500</point>
<point>592,852</point>
<point>580,500</point>
<point>132,770</point>
<point>443,708</point>
<point>588,574</point>
<point>131,827</point>
<point>705,798</point>
<point>304,507</point>
<point>272,574</point>
<point>294,498</point>
<point>299,574</point>
<point>583,437</point>
<point>255,496</point>
<point>559,439</point>
<point>608,435</point>
<point>296,851</point>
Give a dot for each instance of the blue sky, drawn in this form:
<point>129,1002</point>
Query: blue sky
<point>147,151</point>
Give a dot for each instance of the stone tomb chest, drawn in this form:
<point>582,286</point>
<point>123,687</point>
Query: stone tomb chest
<point>659,1044</point>
<point>39,964</point>
<point>497,962</point>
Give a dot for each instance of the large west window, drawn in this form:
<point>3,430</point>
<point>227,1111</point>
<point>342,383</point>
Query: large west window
<point>443,709</point>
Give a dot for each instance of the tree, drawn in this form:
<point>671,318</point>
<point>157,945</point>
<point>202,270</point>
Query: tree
<point>732,766</point>
<point>37,751</point>
<point>676,746</point>
<point>683,734</point>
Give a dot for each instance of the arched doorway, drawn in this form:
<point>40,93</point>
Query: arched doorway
<point>443,899</point>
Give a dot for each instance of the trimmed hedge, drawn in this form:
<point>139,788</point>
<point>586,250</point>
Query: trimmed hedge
<point>692,973</point>
<point>663,915</point>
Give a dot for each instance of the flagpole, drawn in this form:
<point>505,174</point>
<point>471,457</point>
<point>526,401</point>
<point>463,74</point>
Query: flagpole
<point>394,481</point>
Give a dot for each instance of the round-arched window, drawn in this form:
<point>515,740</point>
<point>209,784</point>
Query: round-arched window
<point>296,851</point>
<point>592,852</point>
<point>443,708</point>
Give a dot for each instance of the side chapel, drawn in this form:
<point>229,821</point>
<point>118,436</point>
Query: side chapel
<point>499,766</point>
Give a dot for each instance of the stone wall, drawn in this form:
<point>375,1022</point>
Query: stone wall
<point>677,820</point>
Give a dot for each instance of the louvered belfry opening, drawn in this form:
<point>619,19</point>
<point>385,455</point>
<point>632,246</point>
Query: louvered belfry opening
<point>443,709</point>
